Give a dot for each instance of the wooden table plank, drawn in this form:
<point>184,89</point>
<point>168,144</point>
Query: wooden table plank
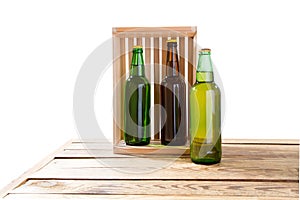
<point>224,141</point>
<point>109,146</point>
<point>267,170</point>
<point>150,187</point>
<point>261,141</point>
<point>137,197</point>
<point>229,150</point>
<point>123,162</point>
<point>133,168</point>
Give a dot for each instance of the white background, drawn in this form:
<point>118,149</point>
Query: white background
<point>255,46</point>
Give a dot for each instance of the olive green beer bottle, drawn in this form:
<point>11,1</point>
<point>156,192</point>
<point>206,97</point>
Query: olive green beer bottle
<point>172,90</point>
<point>205,114</point>
<point>137,102</point>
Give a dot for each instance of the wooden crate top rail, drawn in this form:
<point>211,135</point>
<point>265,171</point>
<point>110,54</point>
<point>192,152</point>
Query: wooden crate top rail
<point>130,32</point>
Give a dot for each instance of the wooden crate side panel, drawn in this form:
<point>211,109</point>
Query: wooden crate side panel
<point>119,71</point>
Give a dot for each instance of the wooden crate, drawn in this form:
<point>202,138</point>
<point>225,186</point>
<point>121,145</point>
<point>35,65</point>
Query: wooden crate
<point>153,40</point>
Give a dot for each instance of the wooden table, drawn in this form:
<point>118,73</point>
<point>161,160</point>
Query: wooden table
<point>250,169</point>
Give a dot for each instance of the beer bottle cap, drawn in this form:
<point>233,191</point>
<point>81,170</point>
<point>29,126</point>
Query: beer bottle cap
<point>172,41</point>
<point>138,47</point>
<point>206,50</point>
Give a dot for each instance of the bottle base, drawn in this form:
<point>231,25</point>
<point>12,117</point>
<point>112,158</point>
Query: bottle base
<point>137,143</point>
<point>206,161</point>
<point>173,143</point>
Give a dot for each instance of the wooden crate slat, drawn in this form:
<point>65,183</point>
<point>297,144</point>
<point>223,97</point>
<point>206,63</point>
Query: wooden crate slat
<point>149,187</point>
<point>123,72</point>
<point>156,89</point>
<point>163,57</point>
<point>129,47</point>
<point>181,44</point>
<point>163,73</point>
<point>118,84</point>
<point>191,62</point>
<point>139,41</point>
<point>116,77</point>
<point>147,50</point>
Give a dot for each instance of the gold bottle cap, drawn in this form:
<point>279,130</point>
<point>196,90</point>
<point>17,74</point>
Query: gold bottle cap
<point>205,50</point>
<point>138,47</point>
<point>172,40</point>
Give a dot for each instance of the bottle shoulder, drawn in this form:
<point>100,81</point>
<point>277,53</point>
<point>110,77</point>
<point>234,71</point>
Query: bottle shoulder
<point>205,86</point>
<point>173,80</point>
<point>137,80</point>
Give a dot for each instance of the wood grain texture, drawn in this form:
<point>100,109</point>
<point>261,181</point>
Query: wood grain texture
<point>118,71</point>
<point>189,31</point>
<point>122,85</point>
<point>147,54</point>
<point>191,62</point>
<point>181,44</point>
<point>247,171</point>
<point>164,57</point>
<point>139,41</point>
<point>156,89</point>
<point>224,171</point>
<point>120,162</point>
<point>150,187</point>
<point>130,48</point>
<point>240,162</point>
<point>279,144</point>
<point>229,150</point>
<point>138,197</point>
<point>224,141</point>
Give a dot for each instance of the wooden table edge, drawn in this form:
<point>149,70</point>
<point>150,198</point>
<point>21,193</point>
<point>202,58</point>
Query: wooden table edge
<point>224,141</point>
<point>23,178</point>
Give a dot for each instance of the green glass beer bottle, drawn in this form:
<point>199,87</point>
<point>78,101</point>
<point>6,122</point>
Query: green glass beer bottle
<point>172,91</point>
<point>137,102</point>
<point>205,114</point>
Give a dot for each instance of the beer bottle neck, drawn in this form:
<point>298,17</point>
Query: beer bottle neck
<point>204,68</point>
<point>172,60</point>
<point>137,63</point>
